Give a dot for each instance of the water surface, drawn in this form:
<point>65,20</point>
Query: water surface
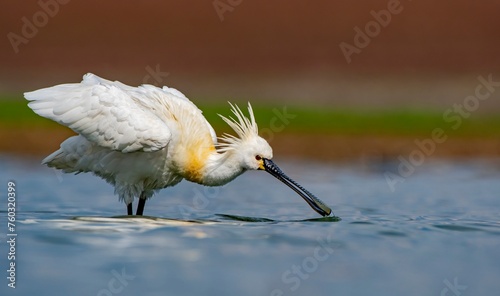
<point>438,233</point>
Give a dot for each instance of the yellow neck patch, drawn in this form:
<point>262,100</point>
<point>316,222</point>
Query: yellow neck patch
<point>196,158</point>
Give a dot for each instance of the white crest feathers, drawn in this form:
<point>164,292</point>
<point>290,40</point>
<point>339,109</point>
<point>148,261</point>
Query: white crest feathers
<point>246,128</point>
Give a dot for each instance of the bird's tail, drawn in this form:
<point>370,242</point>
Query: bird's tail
<point>68,156</point>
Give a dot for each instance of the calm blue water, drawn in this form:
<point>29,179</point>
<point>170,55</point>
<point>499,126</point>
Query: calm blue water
<point>438,233</point>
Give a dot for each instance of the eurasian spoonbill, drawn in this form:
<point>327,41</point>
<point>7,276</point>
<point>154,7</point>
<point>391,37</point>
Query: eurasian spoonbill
<point>142,139</point>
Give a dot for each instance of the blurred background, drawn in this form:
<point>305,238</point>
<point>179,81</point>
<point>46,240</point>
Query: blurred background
<point>361,79</point>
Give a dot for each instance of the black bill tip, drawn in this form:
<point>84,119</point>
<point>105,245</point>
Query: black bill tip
<point>314,202</point>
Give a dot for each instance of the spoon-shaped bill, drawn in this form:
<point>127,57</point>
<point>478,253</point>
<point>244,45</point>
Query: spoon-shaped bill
<point>312,200</point>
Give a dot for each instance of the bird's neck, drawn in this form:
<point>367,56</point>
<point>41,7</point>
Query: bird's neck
<point>221,168</point>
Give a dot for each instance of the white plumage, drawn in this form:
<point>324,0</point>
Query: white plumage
<point>142,139</point>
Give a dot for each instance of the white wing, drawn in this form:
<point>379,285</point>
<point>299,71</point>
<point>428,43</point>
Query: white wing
<point>105,113</point>
<point>180,95</point>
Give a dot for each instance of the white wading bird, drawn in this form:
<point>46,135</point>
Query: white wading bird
<point>142,139</point>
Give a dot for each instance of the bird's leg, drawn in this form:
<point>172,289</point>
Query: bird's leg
<point>140,206</point>
<point>129,209</point>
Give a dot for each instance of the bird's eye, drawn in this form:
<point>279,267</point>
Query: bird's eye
<point>258,157</point>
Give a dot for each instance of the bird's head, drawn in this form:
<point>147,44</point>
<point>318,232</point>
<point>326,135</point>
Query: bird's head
<point>248,145</point>
<point>255,153</point>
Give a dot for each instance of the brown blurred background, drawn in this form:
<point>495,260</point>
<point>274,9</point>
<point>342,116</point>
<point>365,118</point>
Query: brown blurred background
<point>429,54</point>
<point>284,52</point>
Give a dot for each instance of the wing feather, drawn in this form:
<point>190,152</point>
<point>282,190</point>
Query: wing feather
<point>104,112</point>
